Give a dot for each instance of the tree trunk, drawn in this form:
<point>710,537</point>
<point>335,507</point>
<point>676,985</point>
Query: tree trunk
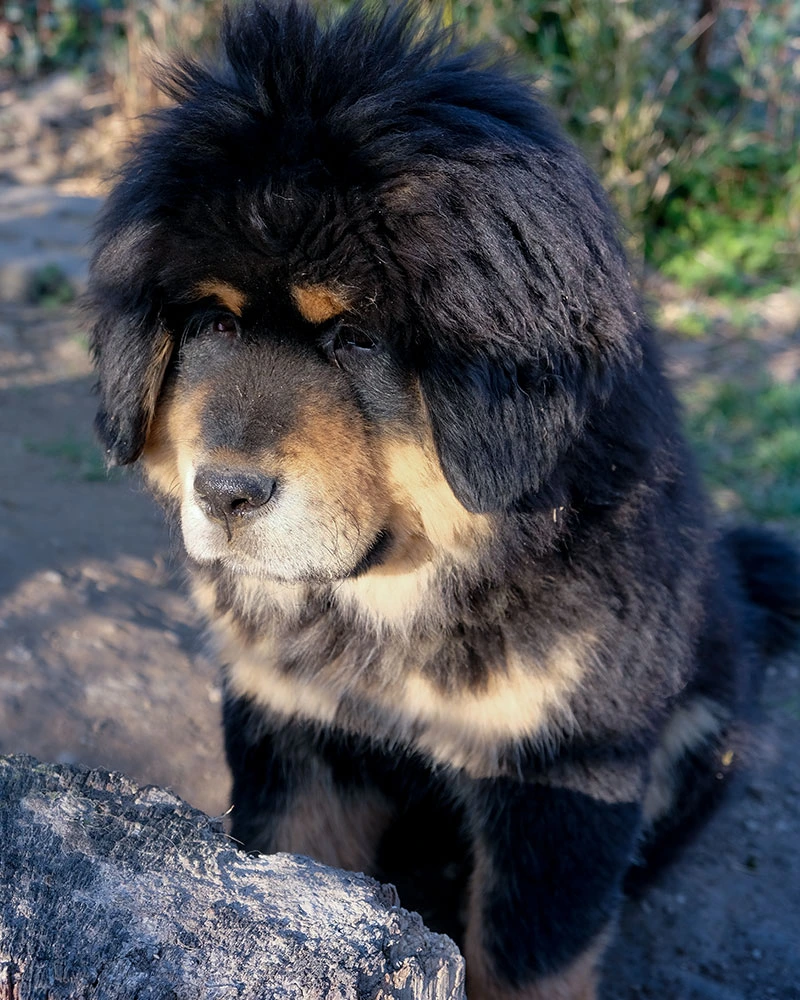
<point>108,890</point>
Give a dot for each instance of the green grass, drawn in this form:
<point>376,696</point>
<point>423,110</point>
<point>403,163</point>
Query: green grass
<point>725,256</point>
<point>748,441</point>
<point>80,457</point>
<point>50,287</point>
<point>693,324</point>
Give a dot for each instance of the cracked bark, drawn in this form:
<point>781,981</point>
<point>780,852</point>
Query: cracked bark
<point>109,890</point>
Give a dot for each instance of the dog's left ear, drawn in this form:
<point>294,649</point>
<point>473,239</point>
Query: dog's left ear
<point>130,345</point>
<point>499,428</point>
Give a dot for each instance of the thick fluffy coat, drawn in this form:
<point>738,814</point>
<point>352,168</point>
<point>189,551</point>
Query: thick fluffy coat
<point>362,314</point>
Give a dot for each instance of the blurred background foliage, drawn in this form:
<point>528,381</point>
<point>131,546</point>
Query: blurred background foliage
<point>689,111</point>
<point>113,38</point>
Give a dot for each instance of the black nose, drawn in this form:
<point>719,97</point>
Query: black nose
<point>223,493</point>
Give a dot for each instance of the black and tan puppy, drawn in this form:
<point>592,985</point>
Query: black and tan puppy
<point>362,315</point>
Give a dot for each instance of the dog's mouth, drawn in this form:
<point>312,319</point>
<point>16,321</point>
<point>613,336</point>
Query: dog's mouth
<point>374,556</point>
<point>238,562</point>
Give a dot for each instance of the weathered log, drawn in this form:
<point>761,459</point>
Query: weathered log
<point>109,890</point>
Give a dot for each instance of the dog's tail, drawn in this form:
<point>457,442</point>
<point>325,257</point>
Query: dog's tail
<point>752,616</point>
<point>770,577</point>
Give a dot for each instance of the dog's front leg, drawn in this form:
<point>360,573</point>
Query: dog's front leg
<point>289,796</point>
<point>549,862</point>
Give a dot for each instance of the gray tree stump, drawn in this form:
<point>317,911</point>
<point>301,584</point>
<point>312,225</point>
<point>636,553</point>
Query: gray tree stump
<point>109,890</point>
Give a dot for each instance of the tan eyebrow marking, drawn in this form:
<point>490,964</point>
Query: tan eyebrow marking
<point>318,303</point>
<point>232,298</point>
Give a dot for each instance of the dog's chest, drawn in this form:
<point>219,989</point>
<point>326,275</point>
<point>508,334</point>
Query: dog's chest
<point>428,695</point>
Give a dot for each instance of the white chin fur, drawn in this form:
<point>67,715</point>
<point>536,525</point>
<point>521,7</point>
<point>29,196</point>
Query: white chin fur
<point>291,541</point>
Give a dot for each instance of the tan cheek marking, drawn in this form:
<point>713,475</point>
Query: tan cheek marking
<point>430,528</point>
<point>173,440</point>
<point>323,825</point>
<point>318,303</point>
<point>233,299</point>
<point>418,483</point>
<point>155,372</point>
<point>331,455</point>
<point>330,443</point>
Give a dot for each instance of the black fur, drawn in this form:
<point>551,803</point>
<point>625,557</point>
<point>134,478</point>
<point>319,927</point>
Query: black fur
<point>425,852</point>
<point>770,576</point>
<point>487,305</point>
<point>567,846</point>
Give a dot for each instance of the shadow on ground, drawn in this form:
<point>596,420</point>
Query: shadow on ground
<point>100,654</point>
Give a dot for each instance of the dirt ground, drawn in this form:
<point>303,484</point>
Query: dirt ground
<point>101,661</point>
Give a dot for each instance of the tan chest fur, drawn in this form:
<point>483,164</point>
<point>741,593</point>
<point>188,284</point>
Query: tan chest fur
<point>383,688</point>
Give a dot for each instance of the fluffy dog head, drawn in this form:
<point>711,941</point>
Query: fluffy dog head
<point>354,293</point>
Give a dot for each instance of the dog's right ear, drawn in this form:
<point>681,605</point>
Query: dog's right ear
<point>130,345</point>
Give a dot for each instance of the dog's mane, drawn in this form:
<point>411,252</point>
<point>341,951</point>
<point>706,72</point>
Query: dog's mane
<point>380,87</point>
<point>489,242</point>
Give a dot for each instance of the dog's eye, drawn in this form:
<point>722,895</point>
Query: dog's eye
<point>346,342</point>
<point>225,326</point>
<point>349,338</point>
<point>222,326</point>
